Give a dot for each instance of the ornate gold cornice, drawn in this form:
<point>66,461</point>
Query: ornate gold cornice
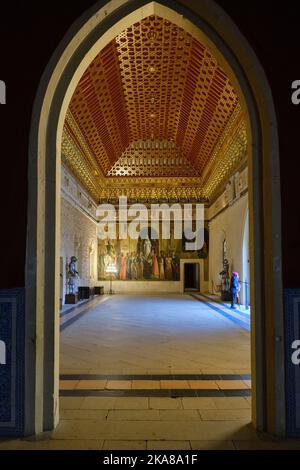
<point>79,164</point>
<point>153,194</point>
<point>227,156</point>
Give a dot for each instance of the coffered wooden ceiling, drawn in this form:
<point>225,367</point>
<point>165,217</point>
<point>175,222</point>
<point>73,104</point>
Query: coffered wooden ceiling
<point>153,107</point>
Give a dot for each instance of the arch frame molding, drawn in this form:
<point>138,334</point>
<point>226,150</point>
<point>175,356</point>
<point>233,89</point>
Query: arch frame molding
<point>43,235</point>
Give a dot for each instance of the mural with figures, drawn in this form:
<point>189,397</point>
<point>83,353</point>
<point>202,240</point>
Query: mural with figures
<point>145,258</point>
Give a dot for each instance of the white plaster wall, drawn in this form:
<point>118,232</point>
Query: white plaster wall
<point>147,287</point>
<point>79,238</point>
<point>229,225</point>
<point>155,287</point>
<point>246,264</point>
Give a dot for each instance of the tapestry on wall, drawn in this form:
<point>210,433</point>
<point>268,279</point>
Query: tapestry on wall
<point>145,258</point>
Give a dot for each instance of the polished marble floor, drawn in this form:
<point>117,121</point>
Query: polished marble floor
<point>137,334</point>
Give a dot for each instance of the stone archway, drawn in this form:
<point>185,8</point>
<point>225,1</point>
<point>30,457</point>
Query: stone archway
<point>42,268</point>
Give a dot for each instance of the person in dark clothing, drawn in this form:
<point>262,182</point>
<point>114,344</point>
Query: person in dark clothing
<point>234,288</point>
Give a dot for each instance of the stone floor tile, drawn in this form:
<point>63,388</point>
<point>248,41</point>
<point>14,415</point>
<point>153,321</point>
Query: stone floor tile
<point>145,384</point>
<point>133,415</point>
<point>248,383</point>
<point>231,384</point>
<point>91,384</point>
<point>203,385</point>
<point>217,370</point>
<point>70,403</point>
<point>172,431</point>
<point>230,403</point>
<point>225,415</point>
<point>185,371</point>
<point>68,384</point>
<point>118,384</point>
<point>131,403</point>
<point>198,403</point>
<point>80,430</point>
<point>52,444</point>
<point>174,384</point>
<point>134,371</point>
<point>84,414</point>
<point>98,403</point>
<point>165,403</point>
<point>179,415</point>
<point>168,445</point>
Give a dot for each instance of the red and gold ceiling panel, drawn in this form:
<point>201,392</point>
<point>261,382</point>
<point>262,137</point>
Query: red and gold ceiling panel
<point>98,107</point>
<point>153,83</point>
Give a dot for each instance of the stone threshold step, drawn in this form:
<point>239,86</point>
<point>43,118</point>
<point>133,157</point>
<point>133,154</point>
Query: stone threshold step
<point>156,393</point>
<point>155,376</point>
<point>154,384</point>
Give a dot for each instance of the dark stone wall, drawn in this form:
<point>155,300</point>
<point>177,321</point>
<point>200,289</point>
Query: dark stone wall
<point>30,32</point>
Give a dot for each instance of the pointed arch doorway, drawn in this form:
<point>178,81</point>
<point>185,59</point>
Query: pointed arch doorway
<point>92,31</point>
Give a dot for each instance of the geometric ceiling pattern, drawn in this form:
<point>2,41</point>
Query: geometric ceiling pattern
<point>153,158</point>
<point>154,107</point>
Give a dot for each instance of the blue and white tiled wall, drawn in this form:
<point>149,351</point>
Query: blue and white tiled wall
<point>12,358</point>
<point>292,335</point>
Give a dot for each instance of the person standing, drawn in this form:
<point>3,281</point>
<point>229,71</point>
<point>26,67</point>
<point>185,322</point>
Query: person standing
<point>234,288</point>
